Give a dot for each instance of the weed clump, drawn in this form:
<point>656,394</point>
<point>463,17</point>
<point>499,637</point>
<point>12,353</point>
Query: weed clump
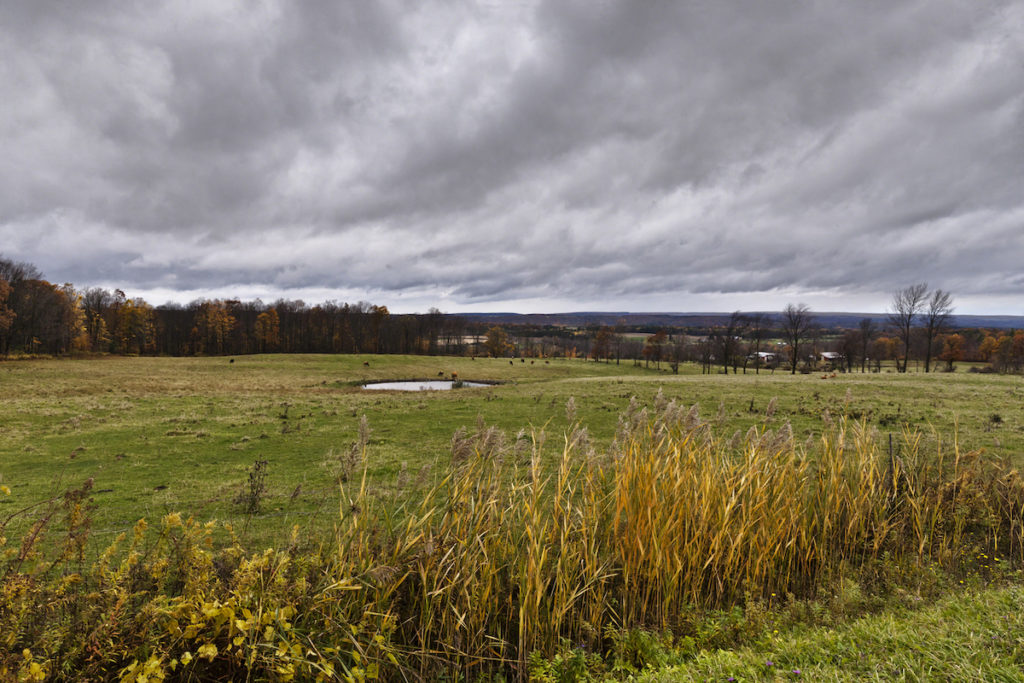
<point>251,496</point>
<point>344,464</point>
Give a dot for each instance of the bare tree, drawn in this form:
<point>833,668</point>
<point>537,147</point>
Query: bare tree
<point>797,323</point>
<point>868,331</point>
<point>21,310</point>
<point>15,272</point>
<point>907,304</point>
<point>758,326</point>
<point>940,307</point>
<point>849,346</point>
<point>706,350</point>
<point>727,341</point>
<point>677,352</point>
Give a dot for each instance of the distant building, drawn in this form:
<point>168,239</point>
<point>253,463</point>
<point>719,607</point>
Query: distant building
<point>765,359</point>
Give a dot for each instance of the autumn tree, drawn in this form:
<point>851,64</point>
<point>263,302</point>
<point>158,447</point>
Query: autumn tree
<point>936,317</point>
<point>496,342</point>
<point>1017,350</point>
<point>75,319</point>
<point>602,347</point>
<point>654,346</point>
<point>907,304</point>
<point>1009,352</point>
<point>213,324</point>
<point>114,320</point>
<point>268,330</point>
<point>952,350</point>
<point>884,348</point>
<point>136,326</point>
<point>797,324</point>
<point>96,305</point>
<point>988,347</point>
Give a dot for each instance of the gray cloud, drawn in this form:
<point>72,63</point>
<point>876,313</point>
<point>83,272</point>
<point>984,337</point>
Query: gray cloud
<point>537,155</point>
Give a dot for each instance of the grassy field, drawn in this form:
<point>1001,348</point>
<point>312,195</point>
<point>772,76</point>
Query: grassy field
<point>972,636</point>
<point>460,555</point>
<point>181,434</point>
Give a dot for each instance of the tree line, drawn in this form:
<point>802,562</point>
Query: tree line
<point>917,328</point>
<point>39,317</point>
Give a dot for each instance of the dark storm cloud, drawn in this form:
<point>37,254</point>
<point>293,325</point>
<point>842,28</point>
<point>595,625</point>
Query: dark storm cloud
<point>609,154</point>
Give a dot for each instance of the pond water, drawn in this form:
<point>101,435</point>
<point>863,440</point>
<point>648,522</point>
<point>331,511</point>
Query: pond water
<point>424,385</point>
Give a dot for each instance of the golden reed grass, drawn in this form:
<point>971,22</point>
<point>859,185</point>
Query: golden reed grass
<point>514,552</point>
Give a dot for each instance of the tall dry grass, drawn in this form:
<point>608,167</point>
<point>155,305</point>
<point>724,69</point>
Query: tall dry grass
<point>517,549</point>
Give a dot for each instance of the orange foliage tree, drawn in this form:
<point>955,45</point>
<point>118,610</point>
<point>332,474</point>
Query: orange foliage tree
<point>952,350</point>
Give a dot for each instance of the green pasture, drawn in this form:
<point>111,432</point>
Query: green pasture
<point>180,434</point>
<point>970,636</point>
<point>162,435</point>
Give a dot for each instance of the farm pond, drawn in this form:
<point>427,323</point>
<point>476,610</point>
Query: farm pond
<point>420,385</point>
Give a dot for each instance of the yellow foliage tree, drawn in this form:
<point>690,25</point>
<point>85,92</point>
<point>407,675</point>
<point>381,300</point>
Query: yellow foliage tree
<point>214,324</point>
<point>268,330</point>
<point>136,326</point>
<point>74,319</point>
<point>988,347</point>
<point>496,342</point>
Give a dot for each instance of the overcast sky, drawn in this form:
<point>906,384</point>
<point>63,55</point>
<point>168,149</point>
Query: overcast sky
<point>518,156</point>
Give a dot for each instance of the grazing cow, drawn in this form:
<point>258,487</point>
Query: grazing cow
<point>441,374</point>
<point>232,360</point>
<point>455,375</point>
<point>366,363</point>
<point>522,360</point>
<point>511,363</point>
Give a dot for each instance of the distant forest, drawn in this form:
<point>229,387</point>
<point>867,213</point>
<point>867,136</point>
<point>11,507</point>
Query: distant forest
<point>39,317</point>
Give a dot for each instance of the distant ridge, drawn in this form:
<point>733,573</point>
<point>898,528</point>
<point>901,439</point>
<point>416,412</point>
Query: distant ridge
<point>825,319</point>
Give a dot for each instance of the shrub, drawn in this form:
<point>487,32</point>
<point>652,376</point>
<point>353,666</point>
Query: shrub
<point>251,496</point>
